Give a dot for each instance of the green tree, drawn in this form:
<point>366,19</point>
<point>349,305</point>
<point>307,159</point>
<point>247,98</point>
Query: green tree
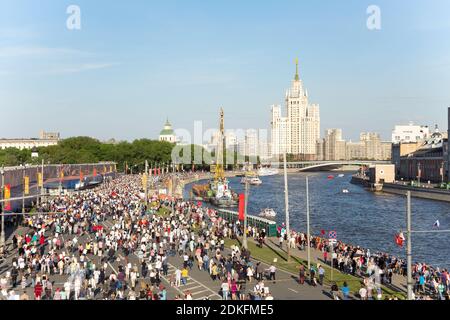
<point>78,150</point>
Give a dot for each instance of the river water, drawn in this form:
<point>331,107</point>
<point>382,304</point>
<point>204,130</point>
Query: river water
<point>359,217</point>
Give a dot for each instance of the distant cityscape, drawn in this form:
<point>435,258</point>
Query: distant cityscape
<point>415,150</point>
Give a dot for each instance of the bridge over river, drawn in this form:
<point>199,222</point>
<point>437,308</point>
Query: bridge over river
<point>326,165</point>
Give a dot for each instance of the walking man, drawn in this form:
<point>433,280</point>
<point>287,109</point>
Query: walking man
<point>321,272</point>
<point>272,270</point>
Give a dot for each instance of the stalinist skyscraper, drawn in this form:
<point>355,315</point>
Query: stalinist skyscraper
<point>301,127</point>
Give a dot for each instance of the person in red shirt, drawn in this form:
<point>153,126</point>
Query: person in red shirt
<point>38,291</point>
<point>42,240</point>
<point>325,255</point>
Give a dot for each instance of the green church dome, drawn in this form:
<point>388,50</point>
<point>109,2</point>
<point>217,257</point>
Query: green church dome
<point>167,131</point>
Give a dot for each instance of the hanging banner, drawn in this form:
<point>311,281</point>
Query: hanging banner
<point>26,189</point>
<point>144,181</point>
<point>95,172</point>
<point>104,169</point>
<point>6,196</point>
<point>61,175</point>
<point>110,169</point>
<point>81,175</point>
<point>40,180</point>
<point>241,206</point>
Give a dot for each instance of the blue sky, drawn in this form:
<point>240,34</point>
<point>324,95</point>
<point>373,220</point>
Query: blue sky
<point>134,63</point>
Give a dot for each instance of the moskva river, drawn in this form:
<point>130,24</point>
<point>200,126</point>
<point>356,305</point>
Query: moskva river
<point>359,217</point>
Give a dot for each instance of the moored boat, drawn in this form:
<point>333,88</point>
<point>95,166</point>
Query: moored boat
<point>263,172</point>
<point>255,181</point>
<point>268,213</point>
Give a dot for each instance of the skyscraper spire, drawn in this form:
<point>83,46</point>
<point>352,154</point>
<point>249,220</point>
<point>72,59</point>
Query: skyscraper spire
<point>296,70</point>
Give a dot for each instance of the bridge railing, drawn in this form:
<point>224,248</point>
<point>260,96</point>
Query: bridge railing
<point>317,163</point>
<point>253,221</point>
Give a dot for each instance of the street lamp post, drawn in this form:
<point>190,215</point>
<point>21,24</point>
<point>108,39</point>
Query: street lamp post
<point>40,186</point>
<point>23,189</point>
<point>286,202</point>
<point>409,232</point>
<point>244,242</point>
<point>146,183</point>
<point>307,224</point>
<point>2,235</point>
<point>408,245</point>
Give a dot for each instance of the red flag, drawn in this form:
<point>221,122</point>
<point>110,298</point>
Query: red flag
<point>95,172</point>
<point>399,238</point>
<point>81,175</point>
<point>241,207</point>
<point>159,171</point>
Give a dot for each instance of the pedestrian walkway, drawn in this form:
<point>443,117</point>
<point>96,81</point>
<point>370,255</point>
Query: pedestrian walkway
<point>198,290</point>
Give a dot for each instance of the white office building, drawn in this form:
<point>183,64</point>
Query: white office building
<point>410,133</point>
<point>299,132</point>
<point>45,140</point>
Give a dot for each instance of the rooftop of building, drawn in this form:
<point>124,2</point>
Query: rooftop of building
<point>25,139</point>
<point>167,131</point>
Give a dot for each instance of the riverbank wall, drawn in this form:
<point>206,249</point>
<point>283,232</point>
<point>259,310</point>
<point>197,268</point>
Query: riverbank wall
<point>424,193</point>
<point>416,192</point>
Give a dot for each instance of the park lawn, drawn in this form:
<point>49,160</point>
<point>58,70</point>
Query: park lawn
<point>267,255</point>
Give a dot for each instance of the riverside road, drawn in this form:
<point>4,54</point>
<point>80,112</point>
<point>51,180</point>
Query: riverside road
<point>199,282</point>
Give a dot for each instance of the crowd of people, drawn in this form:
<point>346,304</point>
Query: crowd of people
<point>83,234</point>
<point>375,268</point>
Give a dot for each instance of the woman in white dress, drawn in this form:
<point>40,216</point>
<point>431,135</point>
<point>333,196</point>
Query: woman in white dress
<point>249,274</point>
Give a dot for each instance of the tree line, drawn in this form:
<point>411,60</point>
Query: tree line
<point>78,150</point>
